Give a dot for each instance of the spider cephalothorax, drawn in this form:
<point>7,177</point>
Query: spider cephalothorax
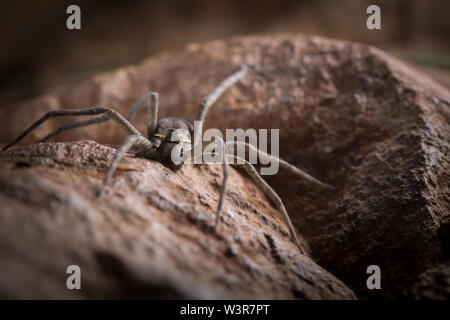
<point>169,133</point>
<point>170,136</point>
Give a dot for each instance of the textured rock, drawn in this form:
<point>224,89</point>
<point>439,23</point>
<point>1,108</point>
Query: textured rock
<point>150,236</point>
<point>434,284</point>
<point>349,114</point>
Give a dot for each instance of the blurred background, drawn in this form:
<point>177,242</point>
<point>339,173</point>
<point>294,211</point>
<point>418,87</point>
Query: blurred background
<point>38,52</point>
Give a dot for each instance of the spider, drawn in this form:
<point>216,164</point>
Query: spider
<point>168,133</point>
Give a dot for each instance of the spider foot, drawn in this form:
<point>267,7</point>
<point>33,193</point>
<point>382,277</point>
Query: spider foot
<point>216,224</point>
<point>98,192</point>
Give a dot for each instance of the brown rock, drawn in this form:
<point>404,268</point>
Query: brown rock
<point>150,236</point>
<point>434,284</point>
<point>349,114</point>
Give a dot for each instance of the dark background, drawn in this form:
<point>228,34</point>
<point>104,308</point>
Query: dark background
<point>38,52</point>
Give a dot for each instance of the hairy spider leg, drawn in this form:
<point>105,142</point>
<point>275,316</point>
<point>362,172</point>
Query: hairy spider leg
<point>291,168</point>
<point>110,113</point>
<point>150,101</point>
<point>270,192</point>
<point>130,141</point>
<point>76,124</point>
<point>223,189</point>
<point>209,100</point>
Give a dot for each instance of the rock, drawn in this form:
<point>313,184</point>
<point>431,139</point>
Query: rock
<point>348,114</point>
<point>150,236</point>
<point>434,284</point>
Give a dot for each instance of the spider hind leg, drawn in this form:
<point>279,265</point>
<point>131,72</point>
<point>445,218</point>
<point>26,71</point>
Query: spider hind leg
<point>108,112</point>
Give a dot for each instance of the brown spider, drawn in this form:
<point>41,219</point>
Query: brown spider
<point>166,134</point>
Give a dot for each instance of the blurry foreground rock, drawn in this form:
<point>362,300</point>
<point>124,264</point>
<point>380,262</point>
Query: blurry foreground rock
<point>150,235</point>
<point>348,114</point>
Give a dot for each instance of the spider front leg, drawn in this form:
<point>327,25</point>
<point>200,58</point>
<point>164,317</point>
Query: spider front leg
<point>223,190</point>
<point>130,141</point>
<point>206,103</point>
<point>291,168</point>
<point>210,99</point>
<point>267,189</point>
<point>251,170</point>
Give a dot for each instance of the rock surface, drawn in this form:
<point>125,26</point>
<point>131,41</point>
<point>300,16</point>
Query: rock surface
<point>150,235</point>
<point>349,114</point>
<point>434,284</point>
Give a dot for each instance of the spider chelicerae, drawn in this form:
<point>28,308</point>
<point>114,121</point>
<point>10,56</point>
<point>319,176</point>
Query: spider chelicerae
<point>170,136</point>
